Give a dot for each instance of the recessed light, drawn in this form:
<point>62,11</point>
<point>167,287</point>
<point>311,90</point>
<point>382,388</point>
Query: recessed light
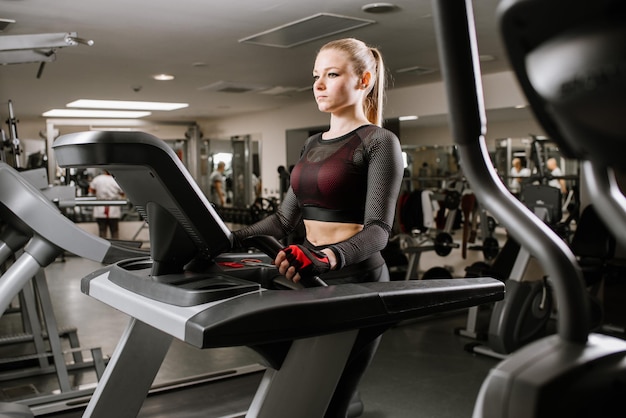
<point>82,113</point>
<point>409,117</point>
<point>126,105</point>
<point>379,8</point>
<point>163,77</point>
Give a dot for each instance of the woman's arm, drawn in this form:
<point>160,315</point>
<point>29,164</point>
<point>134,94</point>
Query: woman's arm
<point>279,224</point>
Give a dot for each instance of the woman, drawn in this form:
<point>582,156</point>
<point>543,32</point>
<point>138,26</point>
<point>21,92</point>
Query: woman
<point>344,188</point>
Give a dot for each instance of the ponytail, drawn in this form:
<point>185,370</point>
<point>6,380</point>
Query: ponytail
<point>373,104</point>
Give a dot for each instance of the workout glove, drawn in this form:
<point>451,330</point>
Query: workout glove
<point>308,262</point>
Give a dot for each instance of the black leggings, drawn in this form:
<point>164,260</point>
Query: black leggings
<point>367,340</point>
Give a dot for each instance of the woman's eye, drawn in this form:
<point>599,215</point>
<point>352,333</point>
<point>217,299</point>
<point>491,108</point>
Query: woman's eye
<point>316,77</point>
<point>333,75</point>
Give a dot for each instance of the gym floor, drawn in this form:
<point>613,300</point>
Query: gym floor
<point>420,370</point>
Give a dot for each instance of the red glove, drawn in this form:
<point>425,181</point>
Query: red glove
<point>307,262</point>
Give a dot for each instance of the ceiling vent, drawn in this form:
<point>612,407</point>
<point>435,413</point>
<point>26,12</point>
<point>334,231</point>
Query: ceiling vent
<point>231,87</point>
<point>306,30</point>
<point>417,70</point>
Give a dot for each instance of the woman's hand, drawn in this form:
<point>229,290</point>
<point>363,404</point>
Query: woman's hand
<point>285,268</point>
<point>295,259</point>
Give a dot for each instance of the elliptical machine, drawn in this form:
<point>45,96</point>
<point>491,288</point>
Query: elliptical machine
<point>567,55</point>
<point>524,314</point>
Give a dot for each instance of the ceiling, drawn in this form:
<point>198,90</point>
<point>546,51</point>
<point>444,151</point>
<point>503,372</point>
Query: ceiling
<point>198,41</point>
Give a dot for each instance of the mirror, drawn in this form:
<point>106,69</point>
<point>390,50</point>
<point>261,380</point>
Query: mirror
<point>241,156</point>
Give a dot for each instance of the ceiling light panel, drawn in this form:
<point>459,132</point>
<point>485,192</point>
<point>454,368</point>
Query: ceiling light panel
<point>83,113</point>
<point>306,30</point>
<point>126,105</point>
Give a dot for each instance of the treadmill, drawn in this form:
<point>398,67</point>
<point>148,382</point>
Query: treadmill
<point>181,292</point>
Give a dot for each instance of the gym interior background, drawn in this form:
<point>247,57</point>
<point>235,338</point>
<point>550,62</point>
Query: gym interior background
<point>432,367</point>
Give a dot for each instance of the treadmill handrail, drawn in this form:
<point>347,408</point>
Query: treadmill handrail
<point>26,209</point>
<point>265,316</point>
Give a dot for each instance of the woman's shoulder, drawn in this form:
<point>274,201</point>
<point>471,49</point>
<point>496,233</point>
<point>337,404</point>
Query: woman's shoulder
<point>381,143</point>
<point>376,132</point>
<point>371,135</point>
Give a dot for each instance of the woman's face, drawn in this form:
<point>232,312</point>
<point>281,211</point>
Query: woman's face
<point>336,86</point>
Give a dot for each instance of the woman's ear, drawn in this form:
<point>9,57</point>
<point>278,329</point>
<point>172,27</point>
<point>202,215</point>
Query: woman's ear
<point>366,79</point>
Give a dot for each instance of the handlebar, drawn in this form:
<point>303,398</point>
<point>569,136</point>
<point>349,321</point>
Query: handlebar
<point>271,246</point>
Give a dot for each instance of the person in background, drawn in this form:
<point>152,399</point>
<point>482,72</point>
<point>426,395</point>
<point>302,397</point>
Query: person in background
<point>257,187</point>
<point>555,171</point>
<point>517,172</point>
<point>104,187</point>
<point>218,185</point>
<point>344,187</point>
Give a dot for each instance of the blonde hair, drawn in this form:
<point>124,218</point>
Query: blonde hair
<point>365,58</point>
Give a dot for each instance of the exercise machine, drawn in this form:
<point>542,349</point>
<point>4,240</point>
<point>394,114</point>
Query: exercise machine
<point>562,53</point>
<point>35,233</point>
<point>521,317</point>
<point>180,292</point>
<point>524,314</point>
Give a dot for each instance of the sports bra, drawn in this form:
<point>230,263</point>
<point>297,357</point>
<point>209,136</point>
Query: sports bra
<point>330,179</point>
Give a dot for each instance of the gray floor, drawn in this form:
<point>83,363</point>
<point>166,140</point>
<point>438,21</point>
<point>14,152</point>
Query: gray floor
<point>420,370</point>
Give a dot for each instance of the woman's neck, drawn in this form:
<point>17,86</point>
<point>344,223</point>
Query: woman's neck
<point>342,125</point>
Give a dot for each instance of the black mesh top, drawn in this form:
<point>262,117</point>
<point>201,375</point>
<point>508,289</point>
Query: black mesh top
<point>353,178</point>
